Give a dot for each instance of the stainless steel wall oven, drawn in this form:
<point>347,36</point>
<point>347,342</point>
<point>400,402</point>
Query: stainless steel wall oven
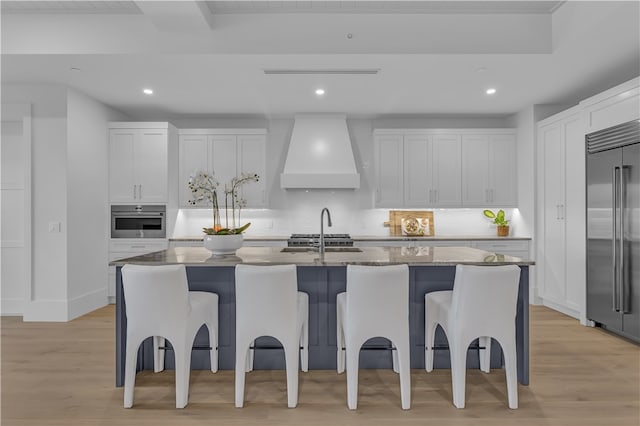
<point>138,221</point>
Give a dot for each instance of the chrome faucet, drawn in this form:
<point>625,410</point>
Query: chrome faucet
<point>321,248</point>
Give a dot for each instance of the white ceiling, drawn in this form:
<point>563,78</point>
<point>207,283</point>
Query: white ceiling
<point>434,58</point>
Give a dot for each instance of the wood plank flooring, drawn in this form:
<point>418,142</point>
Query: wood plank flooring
<point>63,374</point>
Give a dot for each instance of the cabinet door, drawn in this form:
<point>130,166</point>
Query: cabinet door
<point>417,170</point>
<point>502,171</point>
<point>389,171</point>
<point>573,211</point>
<point>552,180</point>
<point>251,159</point>
<point>150,153</point>
<point>475,170</point>
<point>446,170</point>
<point>194,157</point>
<point>222,160</point>
<point>121,165</point>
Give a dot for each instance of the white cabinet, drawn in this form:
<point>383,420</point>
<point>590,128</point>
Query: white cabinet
<point>517,248</point>
<point>389,170</point>
<point>432,170</point>
<point>489,170</point>
<point>445,167</point>
<point>246,243</point>
<point>417,170</point>
<point>611,107</point>
<point>139,162</point>
<point>226,153</point>
<point>560,224</point>
<point>251,159</point>
<point>124,248</point>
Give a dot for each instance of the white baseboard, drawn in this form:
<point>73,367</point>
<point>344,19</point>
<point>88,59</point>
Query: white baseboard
<point>64,310</point>
<point>46,310</point>
<point>11,307</point>
<point>562,309</point>
<point>87,303</point>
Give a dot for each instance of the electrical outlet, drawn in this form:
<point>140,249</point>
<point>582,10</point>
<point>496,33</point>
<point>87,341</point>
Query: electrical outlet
<point>55,227</point>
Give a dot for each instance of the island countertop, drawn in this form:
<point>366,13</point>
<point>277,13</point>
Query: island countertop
<point>416,256</point>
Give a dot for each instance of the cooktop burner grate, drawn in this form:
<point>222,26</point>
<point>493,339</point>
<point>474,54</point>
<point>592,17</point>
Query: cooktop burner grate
<point>330,240</point>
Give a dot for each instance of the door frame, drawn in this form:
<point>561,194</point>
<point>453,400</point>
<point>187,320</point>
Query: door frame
<point>22,112</point>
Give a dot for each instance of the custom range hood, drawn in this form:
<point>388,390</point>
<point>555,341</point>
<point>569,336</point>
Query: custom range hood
<point>320,155</point>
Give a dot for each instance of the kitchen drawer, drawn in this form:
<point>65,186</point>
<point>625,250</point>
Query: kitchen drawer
<point>518,248</point>
<point>141,245</point>
<point>442,243</point>
<point>191,243</point>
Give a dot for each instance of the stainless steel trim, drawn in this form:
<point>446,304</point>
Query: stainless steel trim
<point>614,137</point>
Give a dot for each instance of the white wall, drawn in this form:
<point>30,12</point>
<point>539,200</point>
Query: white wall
<point>69,186</point>
<point>49,182</point>
<point>87,201</point>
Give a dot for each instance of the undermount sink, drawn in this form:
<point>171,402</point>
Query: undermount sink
<point>326,249</point>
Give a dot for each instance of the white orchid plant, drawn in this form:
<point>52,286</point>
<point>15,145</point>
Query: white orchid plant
<point>204,188</point>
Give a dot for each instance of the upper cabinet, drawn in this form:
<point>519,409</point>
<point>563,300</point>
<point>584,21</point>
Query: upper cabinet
<point>445,168</point>
<point>489,170</point>
<point>611,107</point>
<point>139,162</point>
<point>225,153</point>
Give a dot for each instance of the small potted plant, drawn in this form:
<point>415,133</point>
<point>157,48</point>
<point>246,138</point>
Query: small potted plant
<point>501,223</point>
<point>204,187</point>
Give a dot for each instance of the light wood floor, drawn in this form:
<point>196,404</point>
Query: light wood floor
<point>63,374</point>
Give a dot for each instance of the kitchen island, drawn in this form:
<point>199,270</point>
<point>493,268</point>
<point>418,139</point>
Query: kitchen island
<point>323,277</point>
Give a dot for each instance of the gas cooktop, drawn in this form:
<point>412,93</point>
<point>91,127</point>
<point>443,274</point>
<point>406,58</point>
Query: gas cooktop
<point>330,240</point>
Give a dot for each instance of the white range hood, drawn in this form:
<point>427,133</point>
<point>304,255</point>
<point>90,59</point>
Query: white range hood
<point>320,154</point>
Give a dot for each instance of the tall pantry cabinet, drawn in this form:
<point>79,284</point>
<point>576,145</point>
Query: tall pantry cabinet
<point>561,204</point>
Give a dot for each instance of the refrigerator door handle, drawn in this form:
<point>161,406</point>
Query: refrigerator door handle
<point>624,300</point>
<point>614,215</point>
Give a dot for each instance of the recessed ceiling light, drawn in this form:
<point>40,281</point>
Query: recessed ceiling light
<point>319,92</point>
<point>481,69</point>
<point>148,92</point>
<point>491,91</point>
<point>76,69</point>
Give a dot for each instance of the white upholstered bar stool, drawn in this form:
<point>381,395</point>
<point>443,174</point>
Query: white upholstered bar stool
<point>376,304</point>
<point>159,304</point>
<point>481,305</point>
<point>268,303</point>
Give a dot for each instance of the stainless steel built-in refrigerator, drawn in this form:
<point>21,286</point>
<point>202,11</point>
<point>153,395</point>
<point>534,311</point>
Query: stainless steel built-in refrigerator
<point>613,229</point>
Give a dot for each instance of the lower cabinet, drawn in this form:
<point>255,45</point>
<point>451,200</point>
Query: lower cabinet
<point>517,248</point>
<point>123,248</point>
<point>246,243</point>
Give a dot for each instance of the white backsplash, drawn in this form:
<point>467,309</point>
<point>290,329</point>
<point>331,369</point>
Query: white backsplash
<point>302,215</point>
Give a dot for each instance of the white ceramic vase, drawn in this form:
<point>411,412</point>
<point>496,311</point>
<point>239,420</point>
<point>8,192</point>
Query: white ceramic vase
<point>221,245</point>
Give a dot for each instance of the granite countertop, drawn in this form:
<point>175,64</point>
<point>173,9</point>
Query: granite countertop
<point>379,238</point>
<point>415,256</point>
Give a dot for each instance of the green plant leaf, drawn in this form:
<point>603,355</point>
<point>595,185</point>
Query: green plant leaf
<point>489,214</point>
